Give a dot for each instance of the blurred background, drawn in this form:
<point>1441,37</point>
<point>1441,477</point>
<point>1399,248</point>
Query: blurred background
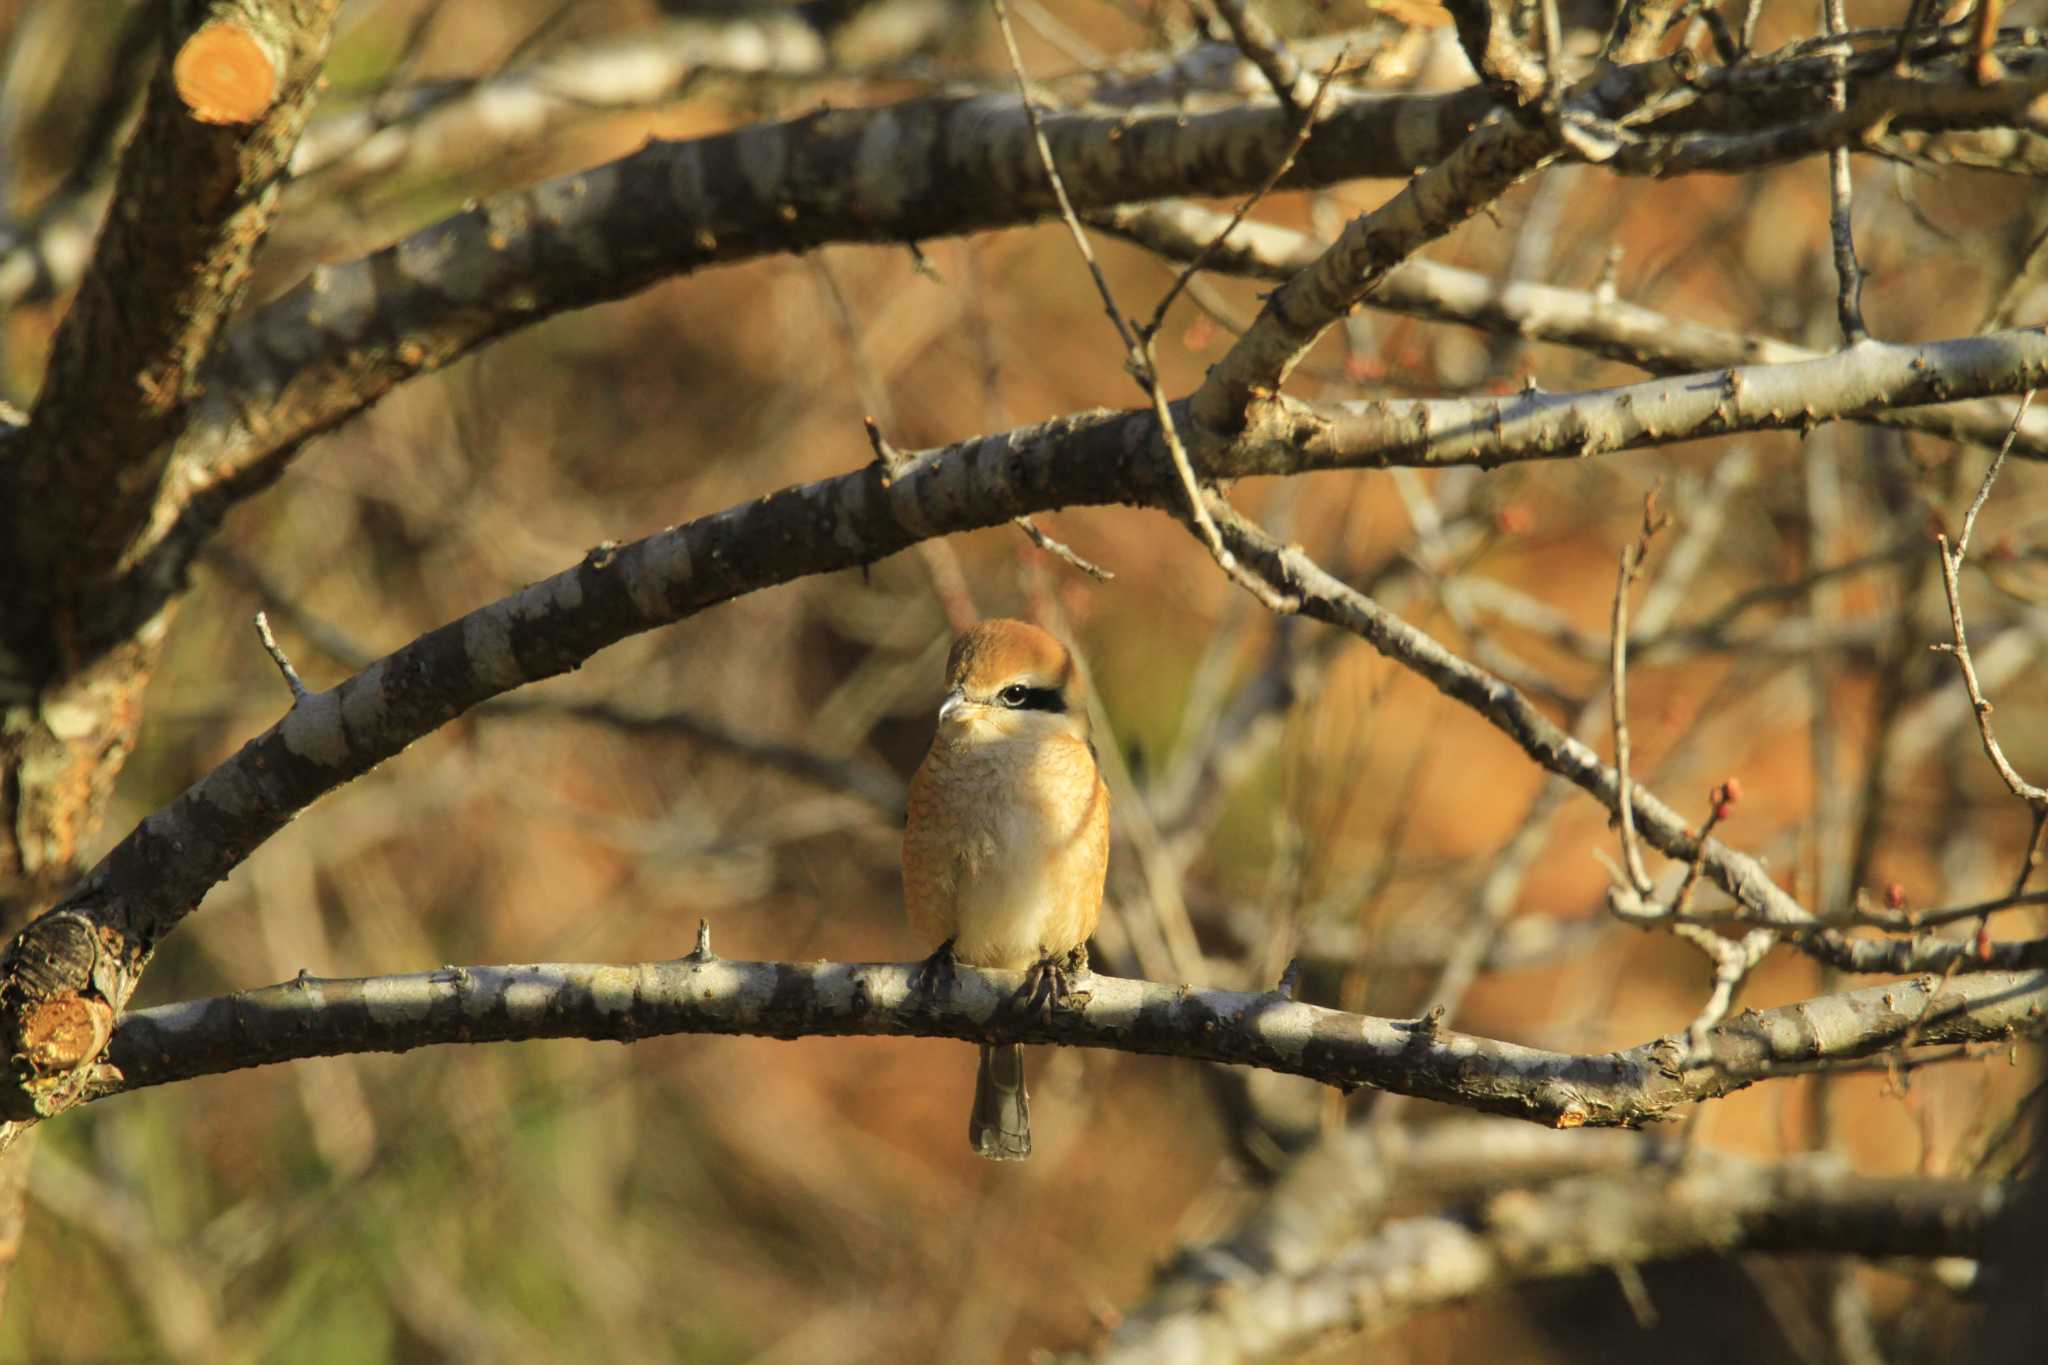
<point>1281,792</point>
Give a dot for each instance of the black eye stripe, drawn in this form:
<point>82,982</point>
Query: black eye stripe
<point>1022,698</point>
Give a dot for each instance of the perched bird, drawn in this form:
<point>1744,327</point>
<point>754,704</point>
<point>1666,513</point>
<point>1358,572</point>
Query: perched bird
<point>1007,840</point>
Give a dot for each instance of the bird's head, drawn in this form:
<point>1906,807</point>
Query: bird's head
<point>1009,679</point>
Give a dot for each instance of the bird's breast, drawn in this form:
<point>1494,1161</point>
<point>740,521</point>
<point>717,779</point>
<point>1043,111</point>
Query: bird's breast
<point>1019,828</point>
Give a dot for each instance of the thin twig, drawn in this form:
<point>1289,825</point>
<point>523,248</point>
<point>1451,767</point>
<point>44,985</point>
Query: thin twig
<point>277,656</point>
<point>1991,475</point>
<point>1632,557</point>
<point>2033,858</point>
<point>1137,349</point>
<point>1205,525</point>
<point>1302,130</point>
<point>1681,900</point>
<point>1951,568</point>
<point>1849,298</point>
<point>1059,186</point>
<point>1061,551</point>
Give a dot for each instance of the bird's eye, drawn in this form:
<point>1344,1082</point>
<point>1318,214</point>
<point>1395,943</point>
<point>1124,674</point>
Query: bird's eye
<point>1016,694</point>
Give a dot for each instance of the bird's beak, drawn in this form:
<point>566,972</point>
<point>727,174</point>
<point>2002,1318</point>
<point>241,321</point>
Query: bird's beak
<point>954,703</point>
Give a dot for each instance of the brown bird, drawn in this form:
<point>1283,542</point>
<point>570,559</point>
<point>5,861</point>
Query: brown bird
<point>1007,840</point>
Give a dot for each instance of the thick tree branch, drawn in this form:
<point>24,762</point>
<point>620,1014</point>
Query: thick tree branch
<point>127,359</point>
<point>159,872</point>
<point>922,168</point>
<point>1707,1204</point>
<point>313,1017</point>
<point>80,482</point>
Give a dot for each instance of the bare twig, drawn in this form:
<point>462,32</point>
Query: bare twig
<point>1059,185</point>
<point>277,656</point>
<point>1849,276</point>
<point>1286,163</point>
<point>1951,567</point>
<point>1137,345</point>
<point>1061,551</point>
<point>1632,556</point>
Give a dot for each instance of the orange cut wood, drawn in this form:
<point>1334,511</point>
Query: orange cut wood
<point>225,75</point>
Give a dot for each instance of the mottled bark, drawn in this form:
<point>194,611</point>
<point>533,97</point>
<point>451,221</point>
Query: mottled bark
<point>82,479</point>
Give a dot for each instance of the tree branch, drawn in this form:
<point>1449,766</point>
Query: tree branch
<point>1588,321</point>
<point>127,359</point>
<point>1741,876</point>
<point>1711,1204</point>
<point>159,872</point>
<point>313,1017</point>
<point>927,167</point>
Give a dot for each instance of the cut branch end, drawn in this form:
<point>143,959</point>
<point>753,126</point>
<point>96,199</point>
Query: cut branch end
<point>225,74</point>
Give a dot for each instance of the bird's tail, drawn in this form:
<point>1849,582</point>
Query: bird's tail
<point>1000,1126</point>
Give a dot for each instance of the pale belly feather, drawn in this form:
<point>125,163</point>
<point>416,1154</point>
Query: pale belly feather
<point>1025,875</point>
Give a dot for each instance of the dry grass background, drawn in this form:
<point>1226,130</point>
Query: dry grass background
<point>711,1199</point>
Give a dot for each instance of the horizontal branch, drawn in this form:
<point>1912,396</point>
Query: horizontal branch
<point>1703,1204</point>
<point>312,1017</point>
<point>1859,381</point>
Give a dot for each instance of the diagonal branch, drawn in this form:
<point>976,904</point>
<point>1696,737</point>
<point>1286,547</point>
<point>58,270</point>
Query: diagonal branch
<point>1740,875</point>
<point>1490,162</point>
<point>1589,321</point>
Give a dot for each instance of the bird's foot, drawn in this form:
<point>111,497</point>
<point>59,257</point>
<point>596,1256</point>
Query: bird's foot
<point>935,975</point>
<point>1049,983</point>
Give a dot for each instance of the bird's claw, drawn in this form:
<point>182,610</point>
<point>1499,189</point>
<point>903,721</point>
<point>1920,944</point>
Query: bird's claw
<point>935,975</point>
<point>1049,983</point>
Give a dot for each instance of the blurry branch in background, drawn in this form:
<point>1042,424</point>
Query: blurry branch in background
<point>1613,1220</point>
<point>436,123</point>
<point>440,126</point>
<point>870,782</point>
<point>699,993</point>
<point>2036,798</point>
<point>1736,873</point>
